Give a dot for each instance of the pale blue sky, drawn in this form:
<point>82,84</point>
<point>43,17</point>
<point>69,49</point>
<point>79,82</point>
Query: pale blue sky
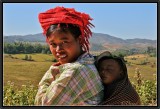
<point>123,20</point>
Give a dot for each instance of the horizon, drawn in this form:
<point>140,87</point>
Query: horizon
<point>89,38</point>
<point>121,20</point>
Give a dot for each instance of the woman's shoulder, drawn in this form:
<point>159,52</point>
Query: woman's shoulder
<point>74,65</point>
<point>77,66</point>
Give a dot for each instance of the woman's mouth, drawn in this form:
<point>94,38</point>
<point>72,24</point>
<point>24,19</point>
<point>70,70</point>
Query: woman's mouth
<point>61,56</point>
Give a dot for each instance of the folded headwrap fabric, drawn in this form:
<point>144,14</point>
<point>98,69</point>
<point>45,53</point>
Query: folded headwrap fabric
<point>59,15</point>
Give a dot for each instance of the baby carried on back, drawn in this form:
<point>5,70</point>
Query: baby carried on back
<point>117,88</point>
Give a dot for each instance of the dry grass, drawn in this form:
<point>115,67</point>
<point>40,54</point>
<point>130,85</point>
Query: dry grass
<point>20,71</point>
<point>35,57</point>
<point>138,56</point>
<point>146,70</point>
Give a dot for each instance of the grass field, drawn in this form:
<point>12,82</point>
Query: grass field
<point>147,70</point>
<point>20,71</point>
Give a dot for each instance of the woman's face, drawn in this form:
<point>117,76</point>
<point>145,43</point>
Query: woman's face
<point>109,70</point>
<point>64,47</point>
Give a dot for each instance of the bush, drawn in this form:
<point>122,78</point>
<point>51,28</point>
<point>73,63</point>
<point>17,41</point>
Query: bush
<point>48,52</point>
<point>30,58</point>
<point>26,57</point>
<point>152,54</point>
<point>133,58</point>
<point>129,63</point>
<point>146,89</point>
<point>25,95</point>
<point>54,60</point>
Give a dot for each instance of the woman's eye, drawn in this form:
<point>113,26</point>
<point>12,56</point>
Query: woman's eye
<point>64,42</point>
<point>53,45</point>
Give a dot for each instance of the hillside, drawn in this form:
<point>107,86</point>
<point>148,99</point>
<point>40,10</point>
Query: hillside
<point>98,41</point>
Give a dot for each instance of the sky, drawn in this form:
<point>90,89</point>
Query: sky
<point>122,20</point>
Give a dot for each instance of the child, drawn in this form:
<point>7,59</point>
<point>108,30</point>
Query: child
<point>117,87</point>
<point>74,79</point>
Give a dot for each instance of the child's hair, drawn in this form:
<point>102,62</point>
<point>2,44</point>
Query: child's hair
<point>73,29</point>
<point>119,60</point>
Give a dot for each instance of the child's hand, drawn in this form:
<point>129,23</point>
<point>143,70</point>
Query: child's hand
<point>55,71</point>
<point>56,64</point>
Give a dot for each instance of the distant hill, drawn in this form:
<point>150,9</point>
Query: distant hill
<point>26,38</point>
<point>98,41</point>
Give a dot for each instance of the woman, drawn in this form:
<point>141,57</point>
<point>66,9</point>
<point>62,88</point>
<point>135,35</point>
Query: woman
<point>74,79</point>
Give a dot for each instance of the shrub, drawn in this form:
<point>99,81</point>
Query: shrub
<point>133,58</point>
<point>25,95</point>
<point>30,58</point>
<point>26,57</point>
<point>54,60</point>
<point>152,54</point>
<point>129,63</point>
<point>146,89</point>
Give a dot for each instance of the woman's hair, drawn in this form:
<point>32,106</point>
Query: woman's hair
<point>77,23</point>
<point>73,29</point>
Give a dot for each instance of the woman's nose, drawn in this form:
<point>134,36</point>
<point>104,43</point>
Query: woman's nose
<point>58,48</point>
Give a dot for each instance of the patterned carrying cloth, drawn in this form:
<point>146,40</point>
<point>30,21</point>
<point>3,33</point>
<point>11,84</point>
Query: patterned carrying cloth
<point>78,83</point>
<point>120,92</point>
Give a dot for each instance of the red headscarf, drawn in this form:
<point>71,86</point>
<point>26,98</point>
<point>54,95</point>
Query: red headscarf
<point>69,16</point>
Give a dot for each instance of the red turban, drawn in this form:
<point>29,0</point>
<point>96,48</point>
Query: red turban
<point>69,16</point>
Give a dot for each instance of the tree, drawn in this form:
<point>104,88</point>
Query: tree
<point>37,48</point>
<point>19,47</point>
<point>151,49</point>
<point>121,55</point>
<point>26,57</point>
<point>30,58</point>
<point>121,52</point>
<point>24,47</point>
<point>43,51</point>
<point>28,48</point>
<point>49,52</point>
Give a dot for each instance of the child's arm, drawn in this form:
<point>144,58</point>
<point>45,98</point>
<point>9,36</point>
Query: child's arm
<point>48,92</point>
<point>50,75</point>
<point>46,81</point>
<point>74,80</point>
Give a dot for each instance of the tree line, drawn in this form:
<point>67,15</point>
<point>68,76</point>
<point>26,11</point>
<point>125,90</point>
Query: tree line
<point>150,50</point>
<point>25,47</point>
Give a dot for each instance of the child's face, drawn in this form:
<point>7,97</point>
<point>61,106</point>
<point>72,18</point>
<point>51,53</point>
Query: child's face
<point>109,70</point>
<point>64,47</point>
